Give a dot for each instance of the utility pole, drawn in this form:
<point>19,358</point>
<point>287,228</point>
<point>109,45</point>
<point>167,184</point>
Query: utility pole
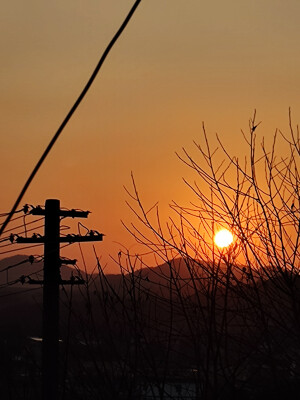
<point>52,280</point>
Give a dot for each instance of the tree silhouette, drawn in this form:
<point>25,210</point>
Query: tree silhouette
<point>234,312</point>
<point>205,323</point>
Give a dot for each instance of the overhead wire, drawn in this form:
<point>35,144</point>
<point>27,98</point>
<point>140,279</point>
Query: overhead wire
<point>21,248</point>
<point>5,245</point>
<point>21,226</point>
<point>15,219</point>
<point>18,234</point>
<point>31,259</point>
<point>22,278</point>
<point>70,113</point>
<point>20,292</point>
<point>2,215</point>
<point>37,274</point>
<point>4,239</point>
<point>28,223</point>
<point>8,216</point>
<point>35,256</point>
<point>10,283</point>
<point>15,265</point>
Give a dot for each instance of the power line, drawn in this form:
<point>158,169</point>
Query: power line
<point>20,292</point>
<point>21,248</point>
<point>5,285</point>
<point>29,247</point>
<point>15,219</point>
<point>51,281</point>
<point>19,233</point>
<point>27,223</point>
<point>2,215</point>
<point>25,210</point>
<point>5,245</point>
<point>30,259</point>
<point>70,113</point>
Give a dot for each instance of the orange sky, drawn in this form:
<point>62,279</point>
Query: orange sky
<point>177,64</point>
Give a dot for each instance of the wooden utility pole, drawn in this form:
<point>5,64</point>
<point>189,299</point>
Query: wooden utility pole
<point>50,344</point>
<point>51,282</point>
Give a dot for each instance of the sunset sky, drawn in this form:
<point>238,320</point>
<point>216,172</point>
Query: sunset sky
<point>178,63</point>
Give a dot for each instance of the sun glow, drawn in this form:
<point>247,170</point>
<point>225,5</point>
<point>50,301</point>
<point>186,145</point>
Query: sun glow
<point>223,238</point>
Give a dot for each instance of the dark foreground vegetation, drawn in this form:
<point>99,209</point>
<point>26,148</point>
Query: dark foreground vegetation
<point>183,330</point>
<point>205,324</point>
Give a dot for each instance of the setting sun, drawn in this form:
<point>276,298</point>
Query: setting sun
<point>223,238</point>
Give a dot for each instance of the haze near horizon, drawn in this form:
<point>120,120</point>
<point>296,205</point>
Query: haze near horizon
<point>177,64</point>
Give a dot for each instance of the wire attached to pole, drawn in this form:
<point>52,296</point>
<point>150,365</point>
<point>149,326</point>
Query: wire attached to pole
<point>70,113</point>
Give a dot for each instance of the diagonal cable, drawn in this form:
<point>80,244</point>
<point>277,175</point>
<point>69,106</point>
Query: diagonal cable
<point>70,113</point>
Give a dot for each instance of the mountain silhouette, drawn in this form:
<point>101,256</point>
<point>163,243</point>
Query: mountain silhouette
<point>12,268</point>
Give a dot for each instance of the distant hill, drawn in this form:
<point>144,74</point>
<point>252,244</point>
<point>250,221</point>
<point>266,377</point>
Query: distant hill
<point>157,320</point>
<point>21,305</point>
<point>181,274</point>
<point>12,268</point>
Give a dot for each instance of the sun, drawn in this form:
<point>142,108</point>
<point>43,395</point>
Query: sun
<point>223,238</point>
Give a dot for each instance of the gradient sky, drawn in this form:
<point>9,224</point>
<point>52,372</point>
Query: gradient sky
<point>179,62</point>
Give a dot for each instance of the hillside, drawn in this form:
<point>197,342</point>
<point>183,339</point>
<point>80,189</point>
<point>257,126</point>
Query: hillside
<point>173,320</point>
<point>12,268</point>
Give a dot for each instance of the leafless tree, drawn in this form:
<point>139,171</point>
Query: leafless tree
<point>207,323</point>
